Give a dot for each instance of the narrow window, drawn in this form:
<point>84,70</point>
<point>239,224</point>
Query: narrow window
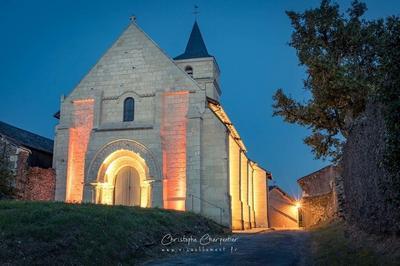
<point>129,109</point>
<point>189,71</point>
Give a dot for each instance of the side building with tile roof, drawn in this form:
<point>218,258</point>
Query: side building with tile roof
<point>29,156</point>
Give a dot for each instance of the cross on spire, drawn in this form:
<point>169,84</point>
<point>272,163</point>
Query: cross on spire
<point>196,11</point>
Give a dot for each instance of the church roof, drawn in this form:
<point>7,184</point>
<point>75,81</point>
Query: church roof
<point>195,47</point>
<point>26,138</point>
<point>216,107</point>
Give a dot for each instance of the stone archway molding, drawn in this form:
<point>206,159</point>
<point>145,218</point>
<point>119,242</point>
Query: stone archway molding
<point>122,144</point>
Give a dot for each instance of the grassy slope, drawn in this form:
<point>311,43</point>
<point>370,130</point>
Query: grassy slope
<point>331,246</point>
<point>59,233</point>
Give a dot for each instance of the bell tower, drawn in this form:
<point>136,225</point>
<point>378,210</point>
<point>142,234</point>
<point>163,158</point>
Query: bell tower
<point>199,64</point>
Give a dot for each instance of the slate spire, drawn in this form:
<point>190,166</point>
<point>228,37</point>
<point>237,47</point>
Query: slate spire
<point>195,47</point>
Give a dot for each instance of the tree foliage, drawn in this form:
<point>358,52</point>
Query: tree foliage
<point>388,89</point>
<point>346,62</point>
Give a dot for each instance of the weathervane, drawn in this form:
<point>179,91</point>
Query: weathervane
<point>196,11</point>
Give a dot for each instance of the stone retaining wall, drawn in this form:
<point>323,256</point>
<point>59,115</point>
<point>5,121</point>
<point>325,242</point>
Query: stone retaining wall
<point>371,199</point>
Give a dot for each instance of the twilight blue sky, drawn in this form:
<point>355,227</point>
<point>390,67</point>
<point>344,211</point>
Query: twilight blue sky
<point>48,46</point>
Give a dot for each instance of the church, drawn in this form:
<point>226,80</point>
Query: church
<point>143,129</point>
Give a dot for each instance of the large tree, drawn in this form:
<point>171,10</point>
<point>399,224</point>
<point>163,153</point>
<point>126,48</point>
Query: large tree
<point>339,54</point>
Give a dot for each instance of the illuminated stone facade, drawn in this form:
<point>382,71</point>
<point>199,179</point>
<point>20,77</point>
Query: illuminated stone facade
<point>283,209</point>
<point>180,151</point>
<point>79,133</point>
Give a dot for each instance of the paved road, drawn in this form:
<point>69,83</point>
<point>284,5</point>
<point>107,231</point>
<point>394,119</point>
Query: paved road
<point>268,248</point>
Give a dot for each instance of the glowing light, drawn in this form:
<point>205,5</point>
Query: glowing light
<point>244,190</point>
<point>234,183</point>
<point>173,135</point>
<point>78,140</point>
<point>105,191</point>
<point>109,170</point>
<point>284,209</point>
<point>247,181</point>
<point>260,196</point>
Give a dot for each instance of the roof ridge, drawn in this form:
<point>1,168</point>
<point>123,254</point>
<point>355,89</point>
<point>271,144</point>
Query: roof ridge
<point>26,138</point>
<point>316,171</point>
<point>33,133</point>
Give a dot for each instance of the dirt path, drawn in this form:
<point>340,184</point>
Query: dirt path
<point>268,248</point>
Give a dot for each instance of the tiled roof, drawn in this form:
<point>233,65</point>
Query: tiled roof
<point>26,138</point>
<point>317,173</point>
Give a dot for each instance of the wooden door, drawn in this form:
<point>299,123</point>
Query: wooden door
<point>127,187</point>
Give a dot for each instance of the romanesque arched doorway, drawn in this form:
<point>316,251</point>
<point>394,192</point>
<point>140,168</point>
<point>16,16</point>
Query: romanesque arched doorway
<point>127,187</point>
<point>124,180</point>
<point>124,172</point>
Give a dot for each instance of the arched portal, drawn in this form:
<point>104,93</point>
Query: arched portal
<point>127,187</point>
<point>122,179</point>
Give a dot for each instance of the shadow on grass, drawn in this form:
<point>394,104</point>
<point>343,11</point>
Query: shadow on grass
<point>332,244</point>
<point>57,233</point>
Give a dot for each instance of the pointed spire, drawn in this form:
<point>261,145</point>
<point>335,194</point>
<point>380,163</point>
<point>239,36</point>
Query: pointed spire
<point>195,47</point>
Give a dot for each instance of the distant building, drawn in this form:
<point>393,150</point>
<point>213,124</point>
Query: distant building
<point>283,210</point>
<point>143,129</point>
<point>30,158</point>
<point>319,195</point>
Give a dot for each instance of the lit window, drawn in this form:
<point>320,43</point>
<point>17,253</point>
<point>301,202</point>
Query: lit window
<point>129,109</point>
<point>189,71</point>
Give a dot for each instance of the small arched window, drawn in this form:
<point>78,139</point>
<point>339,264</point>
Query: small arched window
<point>189,71</point>
<point>129,109</point>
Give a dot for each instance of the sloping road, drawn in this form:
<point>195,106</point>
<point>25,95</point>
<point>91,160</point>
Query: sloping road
<point>267,248</point>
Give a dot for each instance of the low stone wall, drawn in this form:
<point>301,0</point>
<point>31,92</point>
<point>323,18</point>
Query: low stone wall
<point>317,209</point>
<point>39,184</point>
<point>371,197</point>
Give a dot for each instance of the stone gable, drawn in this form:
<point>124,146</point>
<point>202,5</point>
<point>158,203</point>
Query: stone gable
<point>133,63</point>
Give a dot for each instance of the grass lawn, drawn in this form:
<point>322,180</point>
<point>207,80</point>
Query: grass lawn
<point>72,234</point>
<point>330,245</point>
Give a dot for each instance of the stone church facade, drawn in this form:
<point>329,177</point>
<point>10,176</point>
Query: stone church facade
<point>142,129</point>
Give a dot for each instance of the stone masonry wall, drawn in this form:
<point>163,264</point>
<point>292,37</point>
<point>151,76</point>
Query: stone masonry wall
<point>17,159</point>
<point>40,184</point>
<point>368,186</point>
<point>173,134</point>
<point>214,167</point>
<point>320,182</point>
<point>78,141</point>
<point>322,195</point>
<point>317,209</point>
